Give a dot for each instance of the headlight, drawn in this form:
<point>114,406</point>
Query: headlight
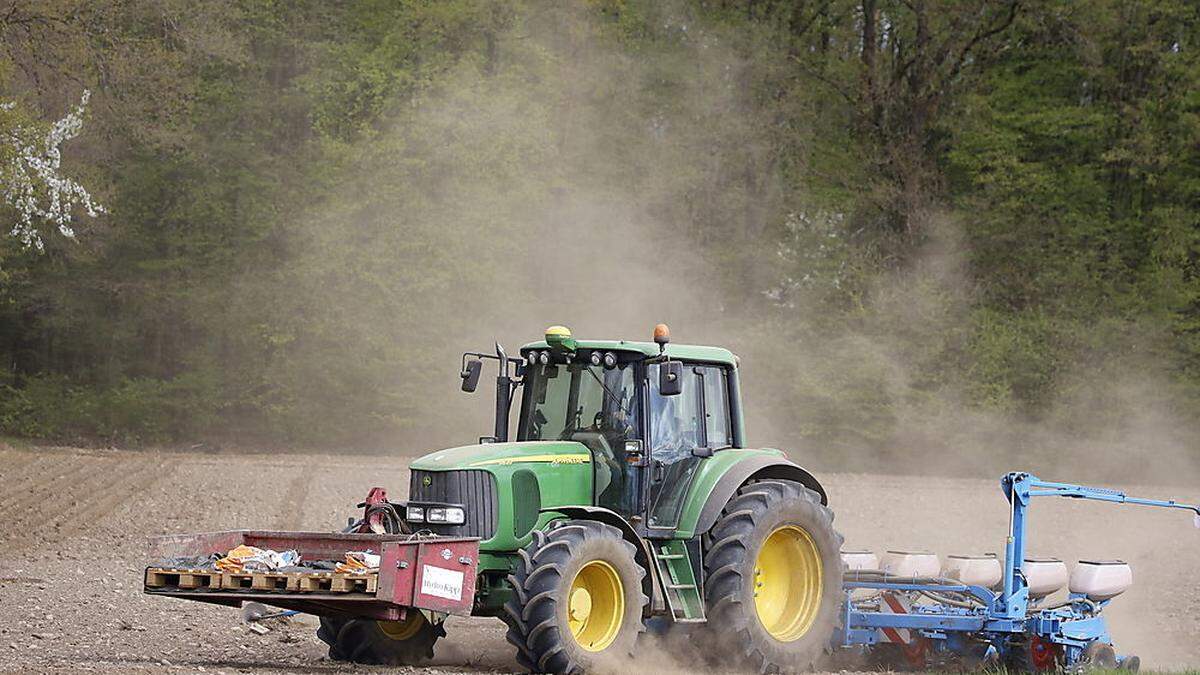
<point>595,358</point>
<point>544,358</point>
<point>415,514</point>
<point>452,515</point>
<point>610,360</point>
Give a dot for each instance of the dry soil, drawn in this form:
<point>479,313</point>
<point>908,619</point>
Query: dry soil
<point>74,525</point>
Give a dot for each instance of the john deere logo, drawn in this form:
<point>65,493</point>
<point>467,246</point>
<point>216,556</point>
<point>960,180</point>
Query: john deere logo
<point>427,481</point>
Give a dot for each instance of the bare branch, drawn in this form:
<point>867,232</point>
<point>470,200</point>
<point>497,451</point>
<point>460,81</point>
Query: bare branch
<point>823,80</point>
<point>982,35</point>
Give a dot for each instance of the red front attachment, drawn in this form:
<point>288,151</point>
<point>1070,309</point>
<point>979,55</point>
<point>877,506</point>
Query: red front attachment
<point>436,574</point>
<point>432,573</point>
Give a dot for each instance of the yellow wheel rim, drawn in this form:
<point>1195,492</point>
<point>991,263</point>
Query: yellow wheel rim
<point>596,606</point>
<point>788,583</point>
<point>403,629</point>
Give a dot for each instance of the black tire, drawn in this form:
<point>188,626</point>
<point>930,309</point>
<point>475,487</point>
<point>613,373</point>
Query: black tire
<point>1098,656</point>
<point>375,642</point>
<point>732,547</point>
<point>538,616</point>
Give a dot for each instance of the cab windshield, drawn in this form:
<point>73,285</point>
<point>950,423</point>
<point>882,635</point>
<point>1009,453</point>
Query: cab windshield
<point>592,405</point>
<point>565,400</point>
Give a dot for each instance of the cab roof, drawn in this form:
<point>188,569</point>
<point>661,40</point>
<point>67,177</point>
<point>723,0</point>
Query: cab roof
<point>684,352</point>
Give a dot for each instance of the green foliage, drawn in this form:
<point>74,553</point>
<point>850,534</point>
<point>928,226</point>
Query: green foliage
<point>1011,364</point>
<point>912,212</point>
<point>133,411</point>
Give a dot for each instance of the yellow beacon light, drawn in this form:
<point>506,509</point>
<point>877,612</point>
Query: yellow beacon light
<point>559,337</point>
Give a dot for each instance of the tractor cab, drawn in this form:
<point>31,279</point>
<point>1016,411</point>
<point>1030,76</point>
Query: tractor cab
<point>648,414</point>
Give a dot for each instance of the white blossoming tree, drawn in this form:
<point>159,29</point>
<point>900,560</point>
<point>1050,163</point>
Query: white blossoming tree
<point>30,179</point>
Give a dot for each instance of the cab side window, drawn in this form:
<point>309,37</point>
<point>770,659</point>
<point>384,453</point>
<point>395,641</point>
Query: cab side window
<point>675,420</point>
<point>680,426</point>
<point>718,430</point>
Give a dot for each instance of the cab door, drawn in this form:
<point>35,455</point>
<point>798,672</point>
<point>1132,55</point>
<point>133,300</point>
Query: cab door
<point>683,430</point>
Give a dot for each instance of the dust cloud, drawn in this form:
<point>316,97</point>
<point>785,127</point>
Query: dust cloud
<point>548,189</point>
<point>1115,418</point>
<point>554,186</point>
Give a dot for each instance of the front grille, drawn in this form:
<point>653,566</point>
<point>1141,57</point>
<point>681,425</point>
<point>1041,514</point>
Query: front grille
<point>474,489</point>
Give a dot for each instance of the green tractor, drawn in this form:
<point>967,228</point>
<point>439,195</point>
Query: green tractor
<point>628,497</point>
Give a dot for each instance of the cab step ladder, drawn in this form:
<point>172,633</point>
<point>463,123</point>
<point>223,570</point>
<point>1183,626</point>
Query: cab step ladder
<point>678,581</point>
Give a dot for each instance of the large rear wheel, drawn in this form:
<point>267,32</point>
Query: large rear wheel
<point>773,578</point>
<point>577,602</point>
<point>392,643</point>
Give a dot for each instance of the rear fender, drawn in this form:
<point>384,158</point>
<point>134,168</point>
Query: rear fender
<point>751,468</point>
<point>642,554</point>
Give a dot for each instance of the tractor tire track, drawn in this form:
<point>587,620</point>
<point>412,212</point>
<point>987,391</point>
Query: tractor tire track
<point>37,477</point>
<point>103,490</point>
<point>38,489</point>
<point>21,467</point>
<point>295,495</point>
<point>132,489</point>
<point>18,487</point>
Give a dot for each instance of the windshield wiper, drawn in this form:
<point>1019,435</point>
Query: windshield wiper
<point>607,390</point>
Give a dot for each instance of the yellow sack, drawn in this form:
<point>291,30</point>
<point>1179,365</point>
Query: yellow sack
<point>237,557</point>
<point>358,562</point>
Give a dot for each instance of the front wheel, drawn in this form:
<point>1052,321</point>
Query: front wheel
<point>577,599</point>
<point>773,578</point>
<point>407,642</point>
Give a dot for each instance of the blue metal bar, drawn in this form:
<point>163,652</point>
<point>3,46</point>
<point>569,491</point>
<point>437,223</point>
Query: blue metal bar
<point>1020,488</point>
<point>1040,488</point>
<point>984,595</point>
<point>1035,487</point>
<point>916,621</point>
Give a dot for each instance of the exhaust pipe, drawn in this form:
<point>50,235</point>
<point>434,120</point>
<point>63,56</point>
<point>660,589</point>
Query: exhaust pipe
<point>503,396</point>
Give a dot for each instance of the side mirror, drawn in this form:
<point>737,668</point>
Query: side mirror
<point>670,378</point>
<point>470,375</point>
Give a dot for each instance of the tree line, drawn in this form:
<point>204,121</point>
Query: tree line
<point>903,213</point>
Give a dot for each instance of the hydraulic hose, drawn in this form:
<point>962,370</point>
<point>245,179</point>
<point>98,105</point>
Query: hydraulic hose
<point>1095,608</point>
<point>973,603</point>
<point>880,575</point>
<point>392,522</point>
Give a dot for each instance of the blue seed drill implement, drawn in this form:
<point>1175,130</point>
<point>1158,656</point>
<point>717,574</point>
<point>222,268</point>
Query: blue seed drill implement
<point>911,612</point>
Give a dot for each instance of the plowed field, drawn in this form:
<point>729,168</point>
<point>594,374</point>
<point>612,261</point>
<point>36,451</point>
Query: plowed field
<point>74,523</point>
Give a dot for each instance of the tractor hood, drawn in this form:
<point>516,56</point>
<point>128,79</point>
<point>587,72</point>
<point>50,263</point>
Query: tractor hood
<point>503,454</point>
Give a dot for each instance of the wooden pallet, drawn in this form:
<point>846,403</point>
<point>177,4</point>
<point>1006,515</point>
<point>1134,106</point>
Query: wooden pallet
<point>200,579</point>
<point>158,577</point>
<point>296,582</point>
<point>355,583</point>
<point>317,582</point>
